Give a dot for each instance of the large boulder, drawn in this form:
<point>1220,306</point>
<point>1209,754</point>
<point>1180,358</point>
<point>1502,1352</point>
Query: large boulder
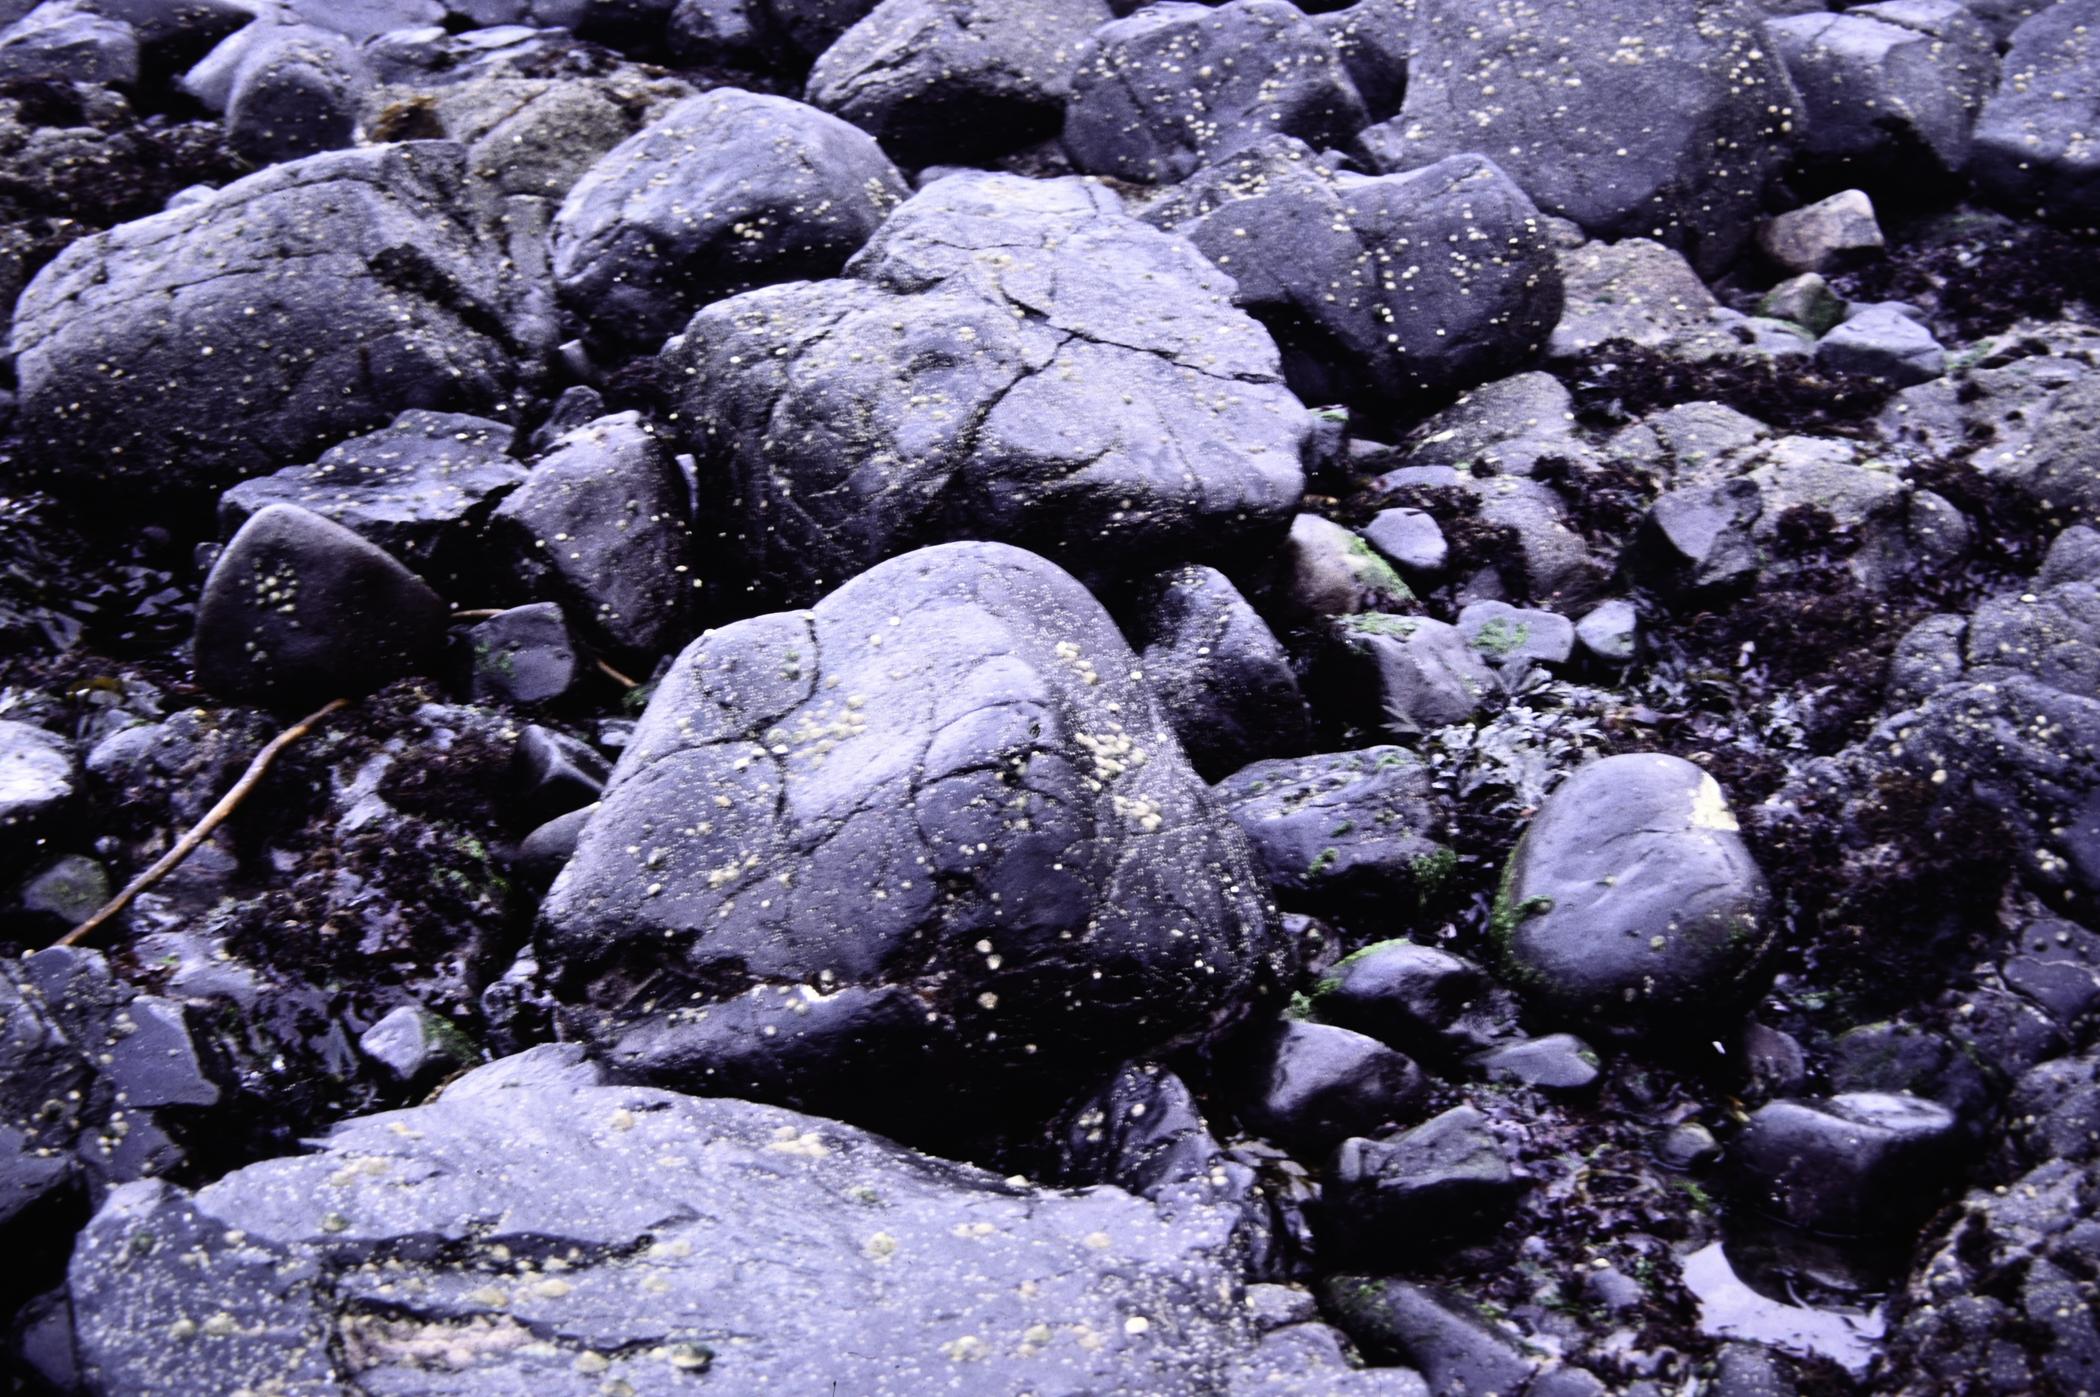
<point>726,191</point>
<point>564,1237</point>
<point>1177,86</point>
<point>1012,359</point>
<point>937,818</point>
<point>1388,293</point>
<point>2032,146</point>
<point>166,359</point>
<point>1656,118</point>
<point>1632,901</point>
<point>939,81</point>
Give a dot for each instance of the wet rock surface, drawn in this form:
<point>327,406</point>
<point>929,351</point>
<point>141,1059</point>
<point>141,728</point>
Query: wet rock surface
<point>1404,693</point>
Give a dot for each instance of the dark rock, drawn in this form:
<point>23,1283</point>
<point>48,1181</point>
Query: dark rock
<point>726,191</point>
<point>39,785</point>
<point>1611,632</point>
<point>1710,66</point>
<point>2030,150</point>
<point>729,33</point>
<point>2004,1030</point>
<point>1614,1290</point>
<point>1928,656</point>
<point>555,773</point>
<point>1345,830</point>
<point>154,1060</point>
<point>1632,901</point>
<point>544,851</point>
<point>578,406</point>
<point>1141,1132</point>
<point>1560,1061</point>
<point>1511,637</point>
<point>2055,1111</point>
<point>2074,556</point>
<point>1410,540</point>
<point>64,42</point>
<point>525,655</point>
<point>1751,1370</point>
<point>579,1175</point>
<point>1635,290</point>
<point>956,81</point>
<point>1100,401</point>
<point>1309,1086</point>
<point>299,610</point>
<point>1417,999</point>
<point>1903,1059</point>
<point>297,362</point>
<point>70,888</point>
<point>1425,674</point>
<point>42,1341</point>
<point>1325,570</point>
<point>1883,343</point>
<point>416,1046</point>
<point>1568,1382</point>
<point>1330,261</point>
<point>1856,1164</point>
<point>1826,236</point>
<point>1772,1061</point>
<point>827,799</point>
<point>422,489</point>
<point>2062,465</point>
<point>1178,86</point>
<point>813,26</point>
<point>1313,1360</point>
<point>1223,681</point>
<point>295,93</point>
<point>1370,37</point>
<point>1687,1146</point>
<point>599,526</point>
<point>1442,1182</point>
<point>1459,1355</point>
<point>1499,428</point>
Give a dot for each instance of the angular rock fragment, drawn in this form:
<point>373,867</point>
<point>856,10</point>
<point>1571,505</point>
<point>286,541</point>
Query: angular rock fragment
<point>1823,236</point>
<point>1441,1182</point>
<point>1224,682</point>
<point>1860,1163</point>
<point>1424,1002</point>
<point>1345,830</point>
<point>1309,1086</point>
<point>524,655</point>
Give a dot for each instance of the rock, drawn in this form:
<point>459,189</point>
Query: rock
<point>1223,681</point>
<point>1611,632</point>
<point>1826,236</point>
<point>813,26</point>
<point>1699,538</point>
<point>1855,1164</point>
<point>1751,1370</point>
<point>724,192</point>
<point>542,853</point>
<point>2059,468</point>
<point>1636,290</point>
<point>1370,37</point>
<point>154,1060</point>
<point>1772,1062</point>
<point>956,81</point>
<point>1328,571</point>
<point>1274,1306</point>
<point>1312,1360</point>
<point>2052,637</point>
<point>1632,901</point>
<point>299,610</point>
<point>1416,999</point>
<point>62,41</point>
<point>2055,1108</point>
<point>1310,1086</point>
<point>1559,118</point>
<point>1687,1146</point>
<point>1883,343</point>
<point>1444,1181</point>
<point>1807,300</point>
<point>1410,540</point>
<point>415,1045</point>
<point>1890,91</point>
<point>295,92</point>
<point>1344,831</point>
<point>1500,428</point>
<point>524,656</point>
<point>728,33</point>
<point>322,357</point>
<point>556,773</point>
<point>70,889</point>
<point>1326,259</point>
<point>992,688</point>
<point>2073,556</point>
<point>1104,405</point>
<point>360,20</point>
<point>1143,1133</point>
<point>422,489</point>
<point>1457,1354</point>
<point>2029,148</point>
<point>1692,443</point>
<point>1512,637</point>
<point>599,526</point>
<point>1140,111</point>
<point>814,1217</point>
<point>39,785</point>
<point>1427,675</point>
<point>1559,1061</point>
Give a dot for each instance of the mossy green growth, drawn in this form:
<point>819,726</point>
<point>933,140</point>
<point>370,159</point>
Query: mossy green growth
<point>1322,861</point>
<point>1375,572</point>
<point>1432,871</point>
<point>1499,638</point>
<point>1381,623</point>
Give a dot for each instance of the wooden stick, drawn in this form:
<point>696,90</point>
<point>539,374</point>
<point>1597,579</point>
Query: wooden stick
<point>479,613</point>
<point>215,817</point>
<point>625,682</point>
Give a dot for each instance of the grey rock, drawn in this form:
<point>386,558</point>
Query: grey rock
<point>542,853</point>
<point>1340,830</point>
<point>1458,1354</point>
<point>2052,636</point>
<point>2005,1030</point>
<point>422,489</point>
<point>359,20</point>
<point>1751,1370</point>
<point>1274,1306</point>
<point>1222,679</point>
<point>70,888</point>
<point>1807,300</point>
<point>1427,676</point>
<point>1410,540</point>
<point>1177,86</point>
<point>548,1065</point>
<point>414,1045</point>
<point>299,610</point>
<point>1710,65</point>
<point>1560,1061</point>
<point>63,41</point>
<point>1687,1146</point>
<point>1611,632</point>
<point>2028,149</point>
<point>1371,39</point>
<point>1826,236</point>
<point>555,773</point>
<point>1499,428</point>
<point>525,655</point>
<point>2073,556</point>
<point>829,864</point>
<point>1904,1059</point>
<point>1325,570</point>
<point>956,81</point>
<point>1632,901</point>
<point>1772,1061</point>
<point>1143,1133</point>
<point>39,785</point>
<point>42,1336</point>
<point>724,192</point>
<point>731,33</point>
<point>1444,1181</point>
<point>298,363</point>
<point>1313,1360</point>
<point>2004,17</point>
<point>295,92</point>
<point>599,526</point>
<point>154,1059</point>
<point>1860,1163</point>
<point>1327,259</point>
<point>1692,443</point>
<point>2055,1111</point>
<point>1890,92</point>
<point>1310,1086</point>
<point>2059,469</point>
<point>1102,403</point>
<point>813,26</point>
<point>1636,290</point>
<point>157,22</point>
<point>1885,344</point>
<point>1699,538</point>
<point>1512,637</point>
<point>1614,1290</point>
<point>813,1216</point>
<point>578,406</point>
<point>1416,999</point>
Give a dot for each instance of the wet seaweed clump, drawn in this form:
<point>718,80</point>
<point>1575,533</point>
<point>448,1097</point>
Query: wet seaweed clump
<point>1979,274</point>
<point>1618,382</point>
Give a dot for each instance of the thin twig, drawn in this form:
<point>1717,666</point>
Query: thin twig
<point>479,613</point>
<point>625,682</point>
<point>203,828</point>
